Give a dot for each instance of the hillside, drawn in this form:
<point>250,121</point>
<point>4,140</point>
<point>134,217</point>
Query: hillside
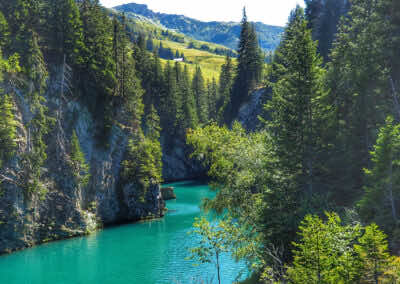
<point>209,56</point>
<point>224,33</point>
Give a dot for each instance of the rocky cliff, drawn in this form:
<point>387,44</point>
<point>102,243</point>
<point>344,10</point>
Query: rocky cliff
<point>251,110</point>
<point>62,209</point>
<point>177,163</point>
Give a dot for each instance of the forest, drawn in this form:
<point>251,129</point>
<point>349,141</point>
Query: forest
<point>311,195</point>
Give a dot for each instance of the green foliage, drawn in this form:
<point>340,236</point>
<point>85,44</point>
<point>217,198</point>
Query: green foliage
<point>200,94</point>
<point>330,252</point>
<point>191,104</point>
<point>212,98</point>
<point>80,168</point>
<point>225,89</point>
<point>226,34</point>
<point>213,242</point>
<point>249,69</point>
<point>325,253</point>
<point>8,124</point>
<point>4,31</point>
<point>372,248</point>
<point>143,165</point>
<point>381,199</point>
<point>236,167</point>
<point>7,129</point>
<point>65,29</point>
<point>295,120</point>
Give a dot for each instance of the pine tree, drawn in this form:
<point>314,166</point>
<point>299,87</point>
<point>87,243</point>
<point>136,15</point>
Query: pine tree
<point>188,118</point>
<point>325,253</point>
<point>99,65</point>
<point>372,249</point>
<point>4,31</point>
<point>359,105</point>
<point>381,200</point>
<point>153,128</point>
<point>66,33</point>
<point>168,101</point>
<point>295,123</point>
<point>78,162</point>
<point>249,69</point>
<point>212,93</point>
<point>224,89</point>
<point>8,129</point>
<point>199,92</point>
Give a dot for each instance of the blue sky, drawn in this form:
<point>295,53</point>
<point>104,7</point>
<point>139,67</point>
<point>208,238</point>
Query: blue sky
<point>272,12</point>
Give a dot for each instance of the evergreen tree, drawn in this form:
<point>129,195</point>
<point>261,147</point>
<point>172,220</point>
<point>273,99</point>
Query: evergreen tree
<point>212,93</point>
<point>295,123</point>
<point>325,253</point>
<point>168,101</point>
<point>99,65</point>
<point>4,31</point>
<point>200,95</point>
<point>359,105</point>
<point>66,33</point>
<point>153,128</point>
<point>225,88</point>
<point>78,162</point>
<point>188,118</point>
<point>372,249</point>
<point>249,69</point>
<point>8,129</point>
<point>381,200</point>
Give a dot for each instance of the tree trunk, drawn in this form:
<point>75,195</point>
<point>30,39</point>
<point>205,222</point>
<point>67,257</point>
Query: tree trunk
<point>218,268</point>
<point>390,191</point>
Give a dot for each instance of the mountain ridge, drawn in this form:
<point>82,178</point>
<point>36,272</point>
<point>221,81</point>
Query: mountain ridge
<point>219,32</point>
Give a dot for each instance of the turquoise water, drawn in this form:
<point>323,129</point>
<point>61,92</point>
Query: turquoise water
<point>145,253</point>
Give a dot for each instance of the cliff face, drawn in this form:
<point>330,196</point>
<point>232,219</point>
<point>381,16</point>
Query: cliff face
<point>67,210</point>
<point>177,164</point>
<point>251,110</point>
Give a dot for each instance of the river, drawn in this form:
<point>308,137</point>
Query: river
<point>151,252</point>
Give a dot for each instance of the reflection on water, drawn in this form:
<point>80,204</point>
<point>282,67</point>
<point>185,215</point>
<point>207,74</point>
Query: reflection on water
<point>145,253</point>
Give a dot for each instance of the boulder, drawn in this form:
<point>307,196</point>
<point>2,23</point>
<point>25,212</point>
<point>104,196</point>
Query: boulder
<point>168,193</point>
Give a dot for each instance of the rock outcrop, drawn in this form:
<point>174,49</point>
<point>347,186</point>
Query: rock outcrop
<point>177,164</point>
<point>64,209</point>
<point>249,112</point>
<point>168,193</point>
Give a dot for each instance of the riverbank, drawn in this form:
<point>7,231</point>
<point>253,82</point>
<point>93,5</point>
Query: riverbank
<point>151,252</point>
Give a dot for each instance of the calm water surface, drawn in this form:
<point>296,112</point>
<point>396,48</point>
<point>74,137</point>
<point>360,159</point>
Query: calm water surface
<point>142,253</point>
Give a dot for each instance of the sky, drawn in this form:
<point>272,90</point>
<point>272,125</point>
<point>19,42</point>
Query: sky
<point>272,12</point>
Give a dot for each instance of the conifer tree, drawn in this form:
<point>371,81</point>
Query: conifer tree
<point>4,31</point>
<point>381,199</point>
<point>168,101</point>
<point>249,68</point>
<point>224,88</point>
<point>295,123</point>
<point>78,162</point>
<point>212,93</point>
<point>188,118</point>
<point>372,249</point>
<point>66,33</point>
<point>153,128</point>
<point>7,129</point>
<point>199,92</point>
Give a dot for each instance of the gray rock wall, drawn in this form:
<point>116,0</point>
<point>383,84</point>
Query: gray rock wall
<point>27,219</point>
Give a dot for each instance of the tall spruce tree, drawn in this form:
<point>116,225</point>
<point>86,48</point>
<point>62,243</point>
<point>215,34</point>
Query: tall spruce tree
<point>224,89</point>
<point>188,115</point>
<point>249,68</point>
<point>65,29</point>
<point>212,94</point>
<point>381,200</point>
<point>200,94</point>
<point>295,123</point>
